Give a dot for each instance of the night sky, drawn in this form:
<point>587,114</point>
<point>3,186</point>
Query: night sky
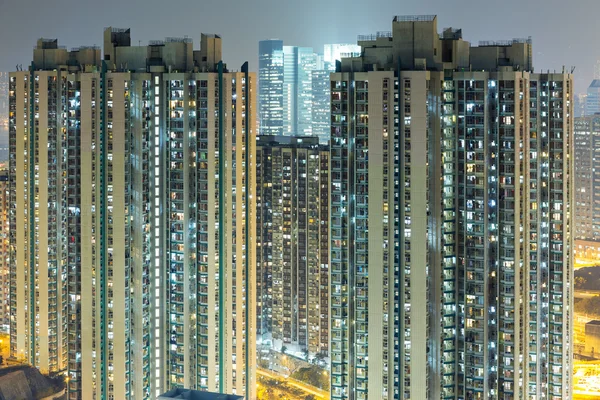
<point>564,32</point>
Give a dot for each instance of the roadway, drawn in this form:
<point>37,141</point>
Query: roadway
<point>320,394</point>
<point>586,379</point>
<point>586,294</point>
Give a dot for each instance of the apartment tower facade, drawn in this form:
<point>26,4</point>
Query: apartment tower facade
<point>292,256</point>
<point>587,177</point>
<point>4,249</point>
<point>451,219</point>
<point>133,169</point>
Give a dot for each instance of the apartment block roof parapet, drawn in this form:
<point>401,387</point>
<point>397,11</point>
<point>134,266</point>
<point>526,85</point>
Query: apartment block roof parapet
<point>178,40</point>
<point>350,55</point>
<point>85,48</point>
<point>504,43</point>
<point>451,33</point>
<point>48,44</point>
<point>379,34</point>
<point>414,18</point>
<point>156,42</point>
<point>61,47</point>
<point>118,30</point>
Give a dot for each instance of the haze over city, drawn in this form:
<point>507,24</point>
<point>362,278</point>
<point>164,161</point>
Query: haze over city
<point>311,23</point>
<point>563,33</point>
<point>306,200</point>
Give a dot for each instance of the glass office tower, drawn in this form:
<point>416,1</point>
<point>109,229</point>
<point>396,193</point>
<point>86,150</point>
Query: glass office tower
<point>270,86</point>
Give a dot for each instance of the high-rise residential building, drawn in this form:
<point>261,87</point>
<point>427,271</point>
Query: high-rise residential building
<point>131,248</point>
<point>587,178</point>
<point>292,243</point>
<point>270,86</point>
<point>451,220</point>
<point>4,250</point>
<point>592,99</point>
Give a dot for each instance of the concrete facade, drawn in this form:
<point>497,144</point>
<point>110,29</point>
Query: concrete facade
<point>133,167</point>
<point>4,249</point>
<point>292,252</point>
<point>451,219</point>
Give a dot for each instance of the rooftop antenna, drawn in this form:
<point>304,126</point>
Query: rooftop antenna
<point>572,70</point>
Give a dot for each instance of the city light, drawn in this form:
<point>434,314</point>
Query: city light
<point>399,214</point>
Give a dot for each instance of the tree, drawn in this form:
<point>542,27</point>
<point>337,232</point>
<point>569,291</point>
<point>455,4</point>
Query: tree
<point>319,358</point>
<point>587,278</point>
<point>314,376</point>
<point>588,306</point>
<point>264,363</point>
<point>283,349</point>
<point>580,282</point>
<point>291,364</point>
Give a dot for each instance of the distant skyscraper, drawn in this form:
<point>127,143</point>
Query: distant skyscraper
<point>3,95</point>
<point>587,178</point>
<point>270,86</point>
<point>292,256</point>
<point>579,105</point>
<point>3,115</point>
<point>451,220</point>
<point>294,89</point>
<point>321,103</point>
<point>131,252</point>
<point>592,100</point>
<point>298,64</point>
<point>4,248</point>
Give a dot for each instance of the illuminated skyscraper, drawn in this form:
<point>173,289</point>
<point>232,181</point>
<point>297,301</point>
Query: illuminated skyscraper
<point>587,178</point>
<point>270,86</point>
<point>294,90</point>
<point>321,102</point>
<point>451,220</point>
<point>133,171</point>
<point>298,64</point>
<point>592,98</point>
<point>579,105</point>
<point>3,96</point>
<point>292,255</point>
